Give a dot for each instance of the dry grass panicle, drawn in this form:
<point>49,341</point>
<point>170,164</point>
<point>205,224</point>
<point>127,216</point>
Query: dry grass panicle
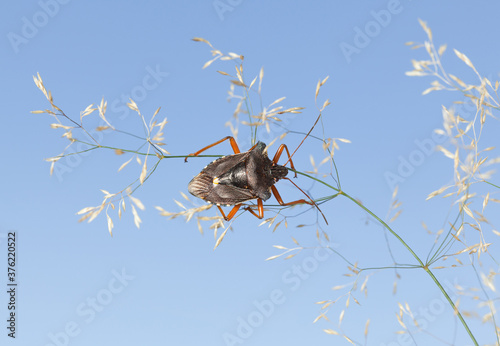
<point>465,242</point>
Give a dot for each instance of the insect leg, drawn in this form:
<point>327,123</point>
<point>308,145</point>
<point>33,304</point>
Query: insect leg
<point>231,213</point>
<point>300,201</point>
<point>260,207</point>
<point>278,155</point>
<point>280,201</point>
<point>234,145</point>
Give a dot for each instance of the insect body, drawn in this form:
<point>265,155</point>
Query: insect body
<point>238,178</point>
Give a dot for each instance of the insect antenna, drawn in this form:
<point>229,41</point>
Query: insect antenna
<point>307,135</point>
<point>312,201</point>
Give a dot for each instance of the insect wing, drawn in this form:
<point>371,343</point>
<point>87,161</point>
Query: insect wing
<point>224,164</point>
<point>229,195</point>
<point>203,185</point>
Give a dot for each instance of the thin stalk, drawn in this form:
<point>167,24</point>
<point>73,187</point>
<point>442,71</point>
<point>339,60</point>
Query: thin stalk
<point>487,182</point>
<point>452,305</point>
<point>421,264</point>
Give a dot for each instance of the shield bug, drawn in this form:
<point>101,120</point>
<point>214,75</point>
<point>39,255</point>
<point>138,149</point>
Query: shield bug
<point>236,179</point>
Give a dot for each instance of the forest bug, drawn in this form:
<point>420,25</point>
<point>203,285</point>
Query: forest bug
<point>238,178</point>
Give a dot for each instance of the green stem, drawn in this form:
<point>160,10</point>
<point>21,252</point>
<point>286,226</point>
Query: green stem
<point>487,182</point>
<point>386,226</point>
<point>424,266</point>
<point>452,305</point>
<point>421,264</point>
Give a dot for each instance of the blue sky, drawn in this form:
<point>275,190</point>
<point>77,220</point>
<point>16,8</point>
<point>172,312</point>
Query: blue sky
<point>164,283</point>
